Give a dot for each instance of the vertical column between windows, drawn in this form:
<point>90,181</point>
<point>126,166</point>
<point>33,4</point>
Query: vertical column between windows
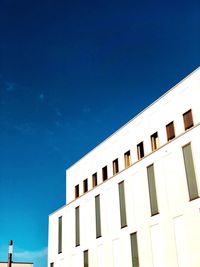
<point>60,234</point>
<point>190,172</point>
<point>98,216</point>
<point>134,250</point>
<point>152,190</point>
<point>77,226</point>
<point>122,204</point>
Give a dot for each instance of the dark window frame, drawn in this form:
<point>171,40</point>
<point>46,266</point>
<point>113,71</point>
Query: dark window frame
<point>76,191</point>
<point>140,150</point>
<point>104,173</point>
<point>94,179</point>
<point>188,119</point>
<point>115,166</point>
<point>152,190</point>
<point>122,204</point>
<point>170,129</point>
<point>59,234</point>
<point>85,185</point>
<point>127,159</point>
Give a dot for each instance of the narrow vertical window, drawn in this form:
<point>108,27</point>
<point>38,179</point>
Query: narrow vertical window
<point>60,234</point>
<point>98,216</point>
<point>104,173</point>
<point>94,179</point>
<point>154,141</point>
<point>85,185</point>
<point>76,191</point>
<point>115,166</point>
<point>122,204</point>
<point>77,227</point>
<point>188,119</point>
<point>127,159</point>
<point>190,172</point>
<point>152,190</point>
<point>170,131</point>
<point>85,258</point>
<point>140,150</point>
<point>134,250</point>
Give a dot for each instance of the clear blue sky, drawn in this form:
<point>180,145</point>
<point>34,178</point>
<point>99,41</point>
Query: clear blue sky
<point>71,73</point>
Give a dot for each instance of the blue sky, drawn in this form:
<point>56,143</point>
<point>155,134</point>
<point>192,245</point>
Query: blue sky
<point>71,73</point>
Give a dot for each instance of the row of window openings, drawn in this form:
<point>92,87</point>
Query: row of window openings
<point>134,252</point>
<point>188,123</point>
<point>192,190</point>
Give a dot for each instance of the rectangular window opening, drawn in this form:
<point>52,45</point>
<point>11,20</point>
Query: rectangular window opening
<point>190,172</point>
<point>115,166</point>
<point>85,258</point>
<point>140,150</point>
<point>188,119</point>
<point>85,185</point>
<point>77,227</point>
<point>152,190</point>
<point>127,159</point>
<point>52,264</point>
<point>76,191</point>
<point>154,141</point>
<point>104,173</point>
<point>94,179</point>
<point>134,250</point>
<point>170,131</point>
<point>122,204</point>
<point>98,216</point>
<point>60,235</point>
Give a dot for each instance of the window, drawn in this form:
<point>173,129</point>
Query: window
<point>134,250</point>
<point>115,167</point>
<point>188,120</point>
<point>152,190</point>
<point>122,204</point>
<point>98,216</point>
<point>94,179</point>
<point>85,185</point>
<point>190,172</point>
<point>154,141</point>
<point>52,264</point>
<point>127,159</point>
<point>60,234</point>
<point>77,227</point>
<point>170,131</point>
<point>85,258</point>
<point>76,191</point>
<point>104,173</point>
<point>140,150</point>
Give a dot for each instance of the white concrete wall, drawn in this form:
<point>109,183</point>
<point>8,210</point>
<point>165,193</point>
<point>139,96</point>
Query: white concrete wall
<point>170,238</point>
<point>169,107</point>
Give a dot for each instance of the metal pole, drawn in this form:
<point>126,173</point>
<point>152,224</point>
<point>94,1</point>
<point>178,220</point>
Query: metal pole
<point>10,251</point>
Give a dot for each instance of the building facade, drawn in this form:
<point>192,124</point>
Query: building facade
<point>134,199</point>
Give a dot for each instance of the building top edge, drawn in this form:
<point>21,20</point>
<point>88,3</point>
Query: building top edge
<point>136,116</point>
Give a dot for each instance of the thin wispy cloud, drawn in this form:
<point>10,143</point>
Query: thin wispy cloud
<point>10,86</point>
<point>86,109</point>
<point>30,255</point>
<point>41,96</point>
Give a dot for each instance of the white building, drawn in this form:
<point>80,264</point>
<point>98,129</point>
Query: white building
<point>134,199</point>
